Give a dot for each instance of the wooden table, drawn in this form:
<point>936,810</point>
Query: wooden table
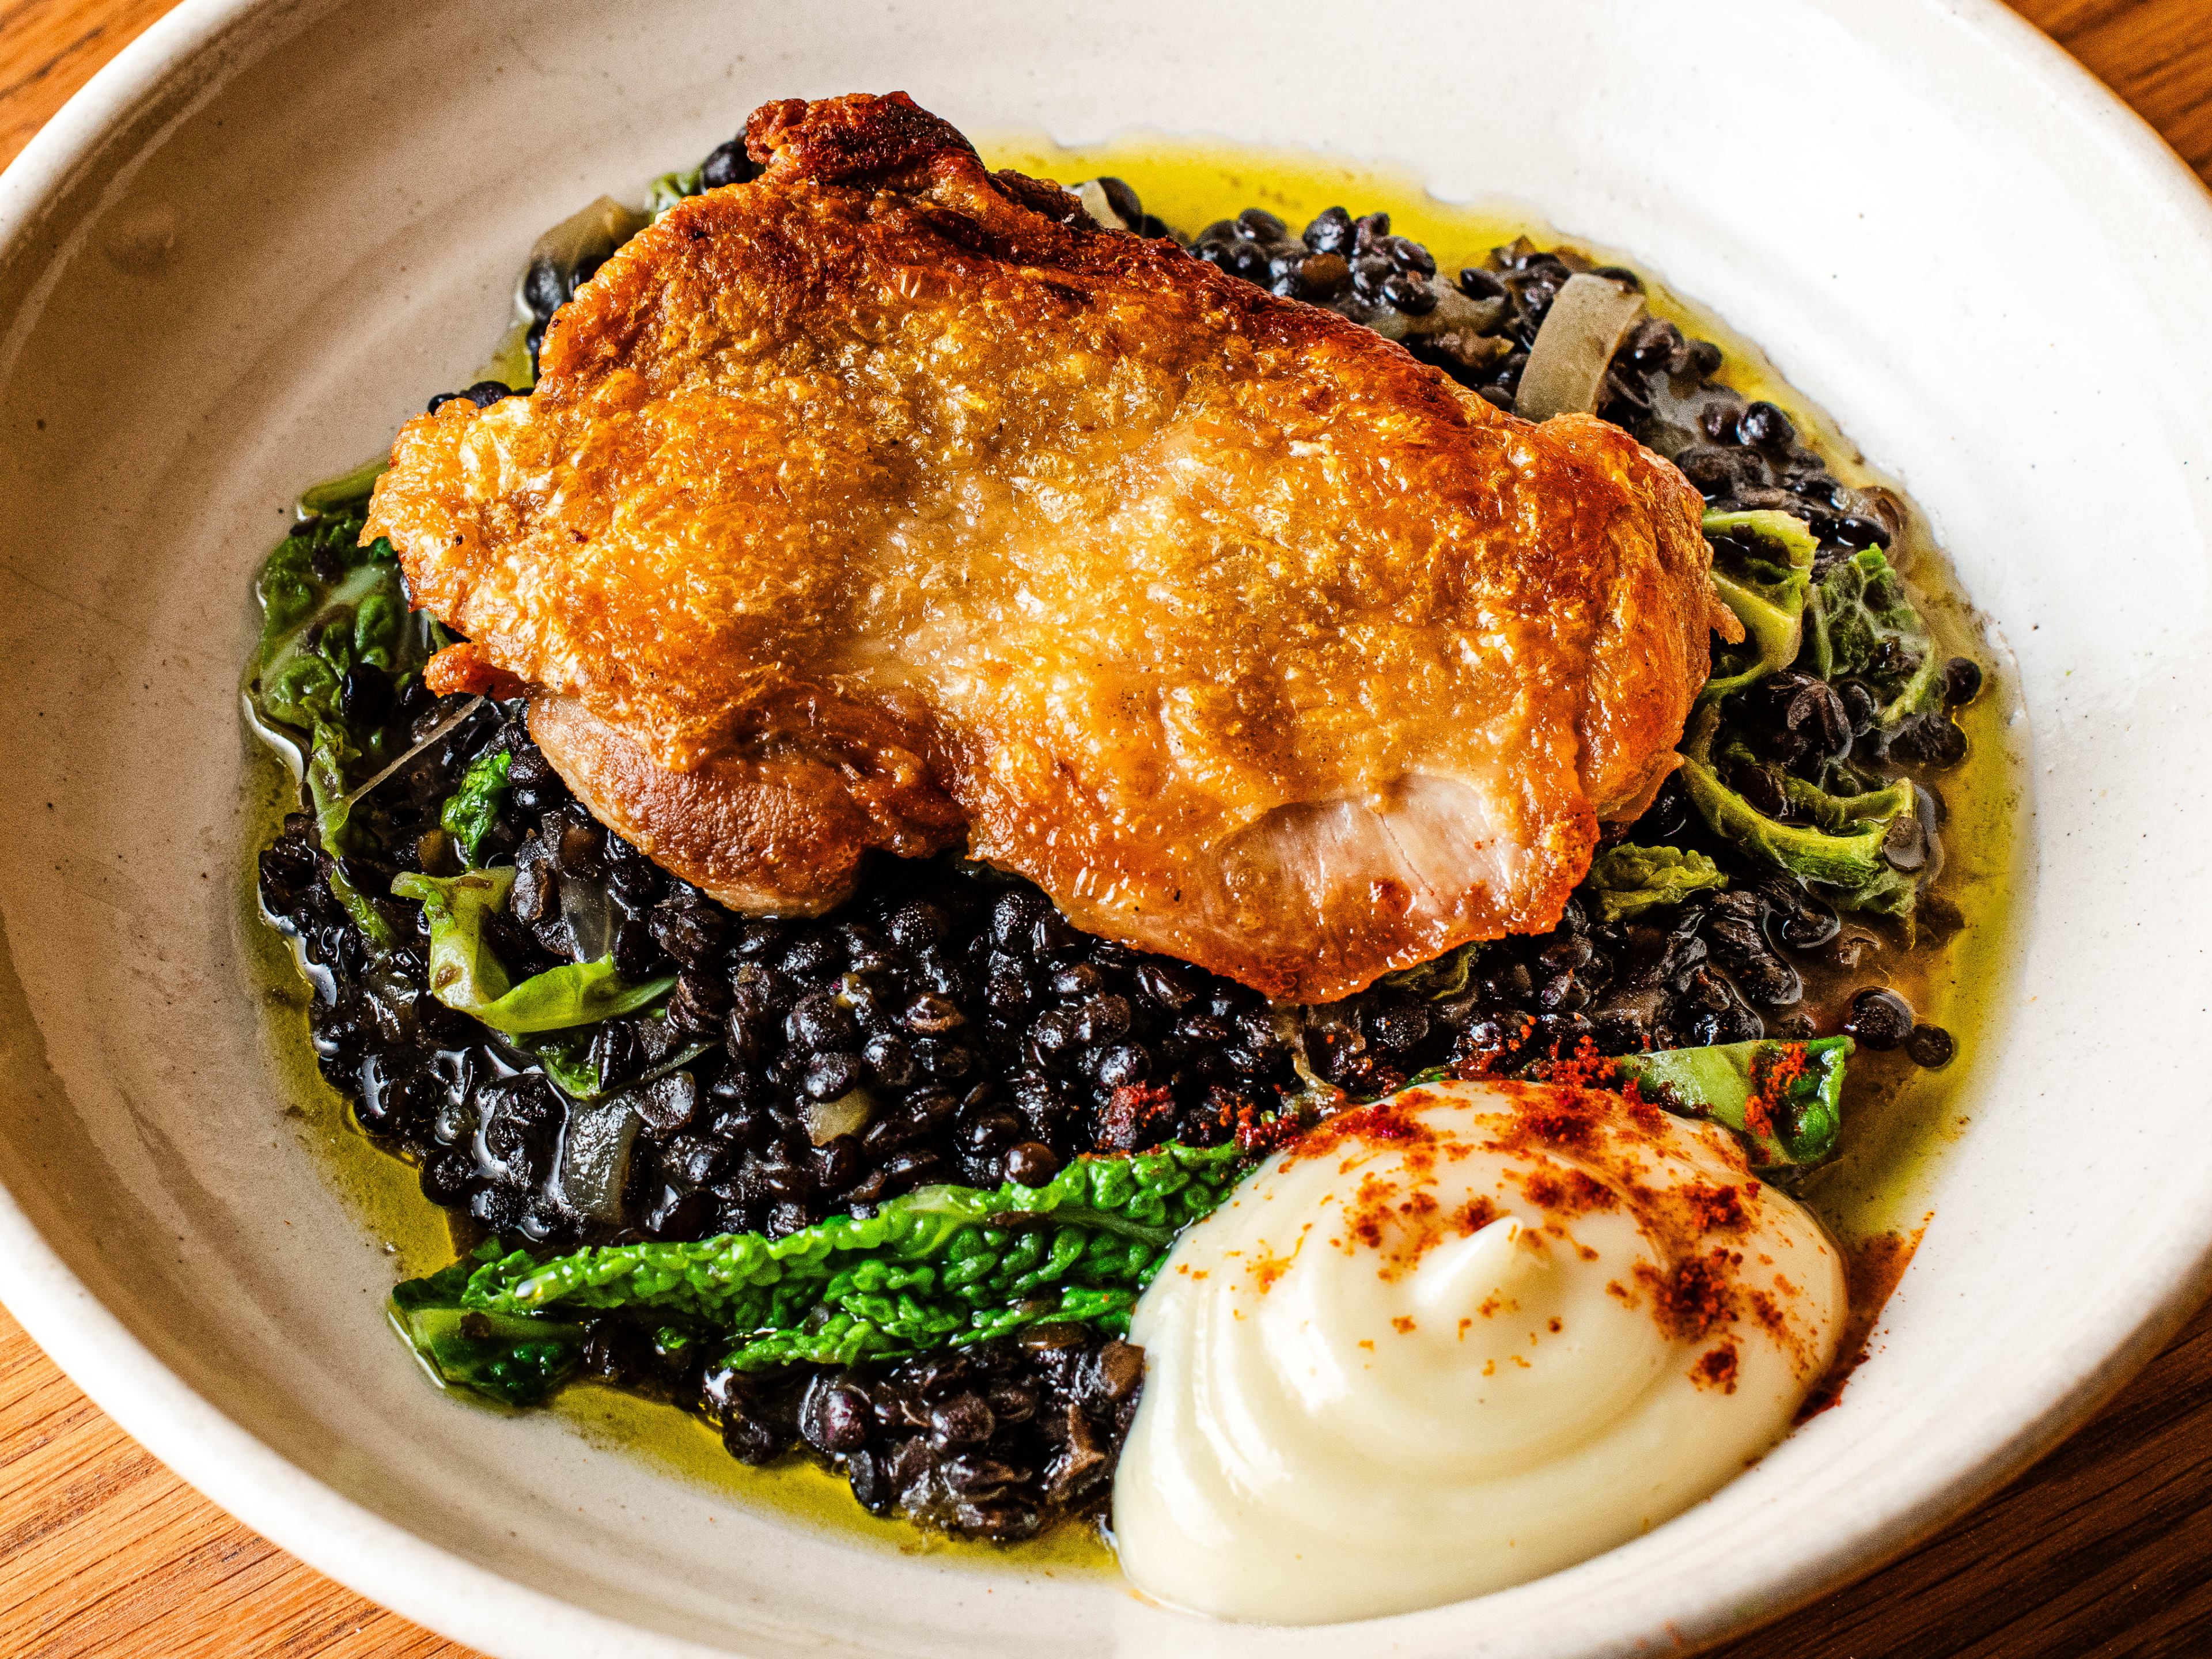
<point>2105,1549</point>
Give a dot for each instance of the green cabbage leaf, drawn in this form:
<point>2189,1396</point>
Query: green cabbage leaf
<point>516,1361</point>
<point>328,606</point>
<point>1838,852</point>
<point>1445,976</point>
<point>470,812</point>
<point>1785,1098</point>
<point>942,1266</point>
<point>1762,570</point>
<point>467,976</point>
<point>1627,880</point>
<point>1860,623</point>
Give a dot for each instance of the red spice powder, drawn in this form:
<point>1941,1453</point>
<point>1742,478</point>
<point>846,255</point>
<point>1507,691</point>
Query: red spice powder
<point>1585,1068</point>
<point>1369,1208</point>
<point>1768,1312</point>
<point>1393,1216</point>
<point>1758,1115</point>
<point>1478,1213</point>
<point>1716,1369</point>
<point>1131,1112</point>
<point>1256,1136</point>
<point>1715,1209</point>
<point>1402,1230</point>
<point>1266,1271</point>
<point>1772,1079</point>
<point>1385,1123</point>
<point>1695,1296</point>
<point>1645,1114</point>
<point>1484,1063</point>
<point>1569,1192</point>
<point>1563,1116</point>
<point>1798,1345</point>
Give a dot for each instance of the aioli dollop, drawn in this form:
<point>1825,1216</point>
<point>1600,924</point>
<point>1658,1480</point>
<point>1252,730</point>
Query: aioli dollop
<point>1456,1340</point>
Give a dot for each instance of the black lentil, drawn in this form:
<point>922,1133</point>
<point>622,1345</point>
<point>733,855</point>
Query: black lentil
<point>1962,682</point>
<point>728,164</point>
<point>1880,1019</point>
<point>1931,1046</point>
<point>1765,427</point>
<point>1931,739</point>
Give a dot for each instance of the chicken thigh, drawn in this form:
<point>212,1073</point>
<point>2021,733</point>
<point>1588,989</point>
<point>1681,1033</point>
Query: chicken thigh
<point>885,503</point>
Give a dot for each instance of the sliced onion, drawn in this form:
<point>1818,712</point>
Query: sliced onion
<point>595,1151</point>
<point>1574,347</point>
<point>1093,195</point>
<point>589,915</point>
<point>848,1114</point>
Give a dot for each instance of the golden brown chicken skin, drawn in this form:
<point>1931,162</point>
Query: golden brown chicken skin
<point>882,503</point>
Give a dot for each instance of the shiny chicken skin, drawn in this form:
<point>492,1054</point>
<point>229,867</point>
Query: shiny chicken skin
<point>882,502</point>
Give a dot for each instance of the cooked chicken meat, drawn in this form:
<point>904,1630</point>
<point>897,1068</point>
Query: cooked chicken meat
<point>882,503</point>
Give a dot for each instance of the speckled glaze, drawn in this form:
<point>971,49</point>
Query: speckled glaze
<point>245,252</point>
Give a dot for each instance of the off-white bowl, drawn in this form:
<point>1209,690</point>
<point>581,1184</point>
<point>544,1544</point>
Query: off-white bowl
<point>256,241</point>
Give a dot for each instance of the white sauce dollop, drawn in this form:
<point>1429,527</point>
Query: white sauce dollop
<point>1451,1342</point>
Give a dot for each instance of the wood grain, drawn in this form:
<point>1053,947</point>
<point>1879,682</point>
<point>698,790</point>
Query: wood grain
<point>2102,1552</point>
<point>105,1554</point>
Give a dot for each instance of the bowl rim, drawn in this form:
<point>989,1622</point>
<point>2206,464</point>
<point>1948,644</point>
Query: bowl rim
<point>445,1593</point>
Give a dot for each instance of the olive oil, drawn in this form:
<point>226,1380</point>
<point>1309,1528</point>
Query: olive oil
<point>1897,1116</point>
<point>378,1188</point>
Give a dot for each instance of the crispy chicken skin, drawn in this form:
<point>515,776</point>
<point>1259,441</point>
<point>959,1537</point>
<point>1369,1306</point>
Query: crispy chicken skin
<point>882,501</point>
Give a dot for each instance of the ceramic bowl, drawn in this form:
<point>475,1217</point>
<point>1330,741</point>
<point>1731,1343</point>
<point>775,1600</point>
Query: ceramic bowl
<point>247,250</point>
